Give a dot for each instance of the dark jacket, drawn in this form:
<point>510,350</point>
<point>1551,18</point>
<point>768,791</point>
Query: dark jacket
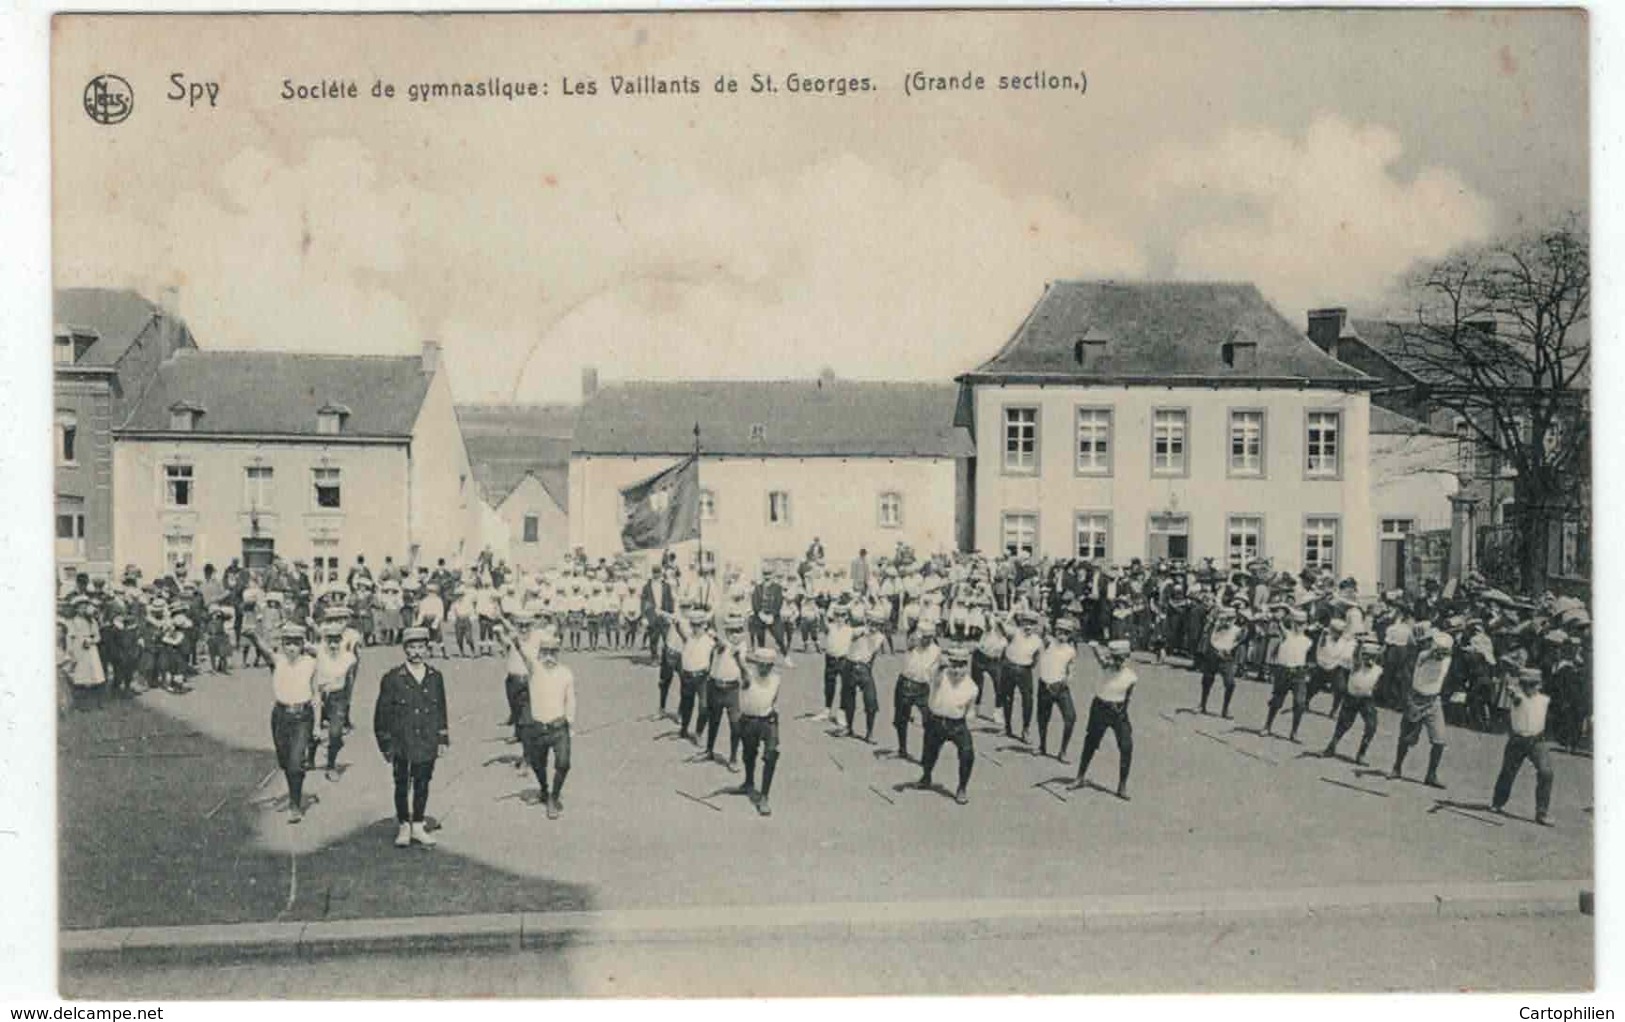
<point>767,598</point>
<point>656,596</point>
<point>410,718</point>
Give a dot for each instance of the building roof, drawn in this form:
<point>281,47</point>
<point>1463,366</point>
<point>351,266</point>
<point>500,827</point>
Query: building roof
<point>1161,332</point>
<point>1387,339</point>
<point>1384,420</point>
<point>554,481</point>
<point>117,317</point>
<point>797,418</point>
<point>508,442</point>
<point>278,393</point>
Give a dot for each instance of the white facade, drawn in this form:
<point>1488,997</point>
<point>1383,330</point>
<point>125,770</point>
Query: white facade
<point>847,502</point>
<point>247,495</point>
<point>1413,478</point>
<point>1266,502</point>
<point>536,530</point>
<point>208,498</point>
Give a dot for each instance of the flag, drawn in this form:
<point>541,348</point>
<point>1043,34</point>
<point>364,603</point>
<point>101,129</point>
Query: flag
<point>662,509</point>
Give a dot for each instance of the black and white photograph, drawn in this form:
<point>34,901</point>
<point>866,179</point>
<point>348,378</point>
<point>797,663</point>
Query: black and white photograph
<point>808,504</point>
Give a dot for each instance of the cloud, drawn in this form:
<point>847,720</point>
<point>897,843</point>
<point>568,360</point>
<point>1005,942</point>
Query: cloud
<point>1325,219</point>
<point>846,264</point>
<point>877,268</point>
<point>274,255</point>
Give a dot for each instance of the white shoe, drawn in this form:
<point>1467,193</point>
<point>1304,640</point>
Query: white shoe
<point>420,834</point>
<point>403,837</point>
<point>788,662</point>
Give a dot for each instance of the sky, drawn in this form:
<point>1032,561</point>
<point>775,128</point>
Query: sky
<point>1320,155</point>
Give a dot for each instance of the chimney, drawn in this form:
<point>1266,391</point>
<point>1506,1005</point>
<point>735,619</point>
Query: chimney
<point>169,323</point>
<point>431,357</point>
<point>589,383</point>
<point>1325,327</point>
<point>826,377</point>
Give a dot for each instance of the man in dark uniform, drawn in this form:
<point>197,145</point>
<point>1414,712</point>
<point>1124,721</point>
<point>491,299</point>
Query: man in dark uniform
<point>657,598</point>
<point>767,613</point>
<point>411,726</point>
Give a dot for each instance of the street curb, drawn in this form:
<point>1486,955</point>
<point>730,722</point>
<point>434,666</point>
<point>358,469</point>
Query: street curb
<point>837,921</point>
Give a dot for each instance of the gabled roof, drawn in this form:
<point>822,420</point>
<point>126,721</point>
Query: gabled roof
<point>116,317</point>
<point>554,481</point>
<point>278,393</point>
<point>1383,338</point>
<point>1386,421</point>
<point>508,442</point>
<point>1387,339</point>
<point>1161,332</point>
<point>796,418</point>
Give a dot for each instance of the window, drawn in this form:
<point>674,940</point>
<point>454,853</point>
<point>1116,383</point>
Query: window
<point>183,416</point>
<point>533,529</point>
<point>1021,440</point>
<point>1239,354</point>
<point>1320,543</point>
<point>1094,441</point>
<point>70,531</point>
<point>1088,351</point>
<point>62,350</point>
<point>328,494</point>
<point>1020,530</point>
<point>891,510</point>
<point>1246,541</point>
<point>257,481</point>
<point>178,552</point>
<point>1574,549</point>
<point>1093,530</point>
<point>758,432</point>
<point>1322,443</point>
<point>708,505</point>
<point>1170,538</point>
<point>324,560</point>
<point>178,486</point>
<point>327,423</point>
<point>1397,528</point>
<point>1466,449</point>
<point>67,438</point>
<point>1247,443</point>
<point>1552,442</point>
<point>1168,442</point>
<point>778,508</point>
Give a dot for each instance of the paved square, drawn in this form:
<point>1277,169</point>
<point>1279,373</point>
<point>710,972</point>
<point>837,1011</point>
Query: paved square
<point>165,819</point>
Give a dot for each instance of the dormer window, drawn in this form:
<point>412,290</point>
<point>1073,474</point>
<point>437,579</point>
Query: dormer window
<point>758,432</point>
<point>70,344</point>
<point>184,416</point>
<point>330,419</point>
<point>1088,347</point>
<point>1239,354</point>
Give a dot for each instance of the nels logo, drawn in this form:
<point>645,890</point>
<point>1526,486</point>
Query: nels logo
<point>108,99</point>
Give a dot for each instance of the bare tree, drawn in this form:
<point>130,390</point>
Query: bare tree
<point>1501,337</point>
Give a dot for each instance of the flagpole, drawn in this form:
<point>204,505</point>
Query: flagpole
<point>699,521</point>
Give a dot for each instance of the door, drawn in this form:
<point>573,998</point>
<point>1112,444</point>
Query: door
<point>1395,539</point>
<point>258,551</point>
<point>1169,538</point>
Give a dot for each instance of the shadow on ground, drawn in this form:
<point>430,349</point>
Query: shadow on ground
<point>157,826</point>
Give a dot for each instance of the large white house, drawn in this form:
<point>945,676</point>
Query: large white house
<point>857,465</point>
<point>238,454</point>
<point>1179,420</point>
